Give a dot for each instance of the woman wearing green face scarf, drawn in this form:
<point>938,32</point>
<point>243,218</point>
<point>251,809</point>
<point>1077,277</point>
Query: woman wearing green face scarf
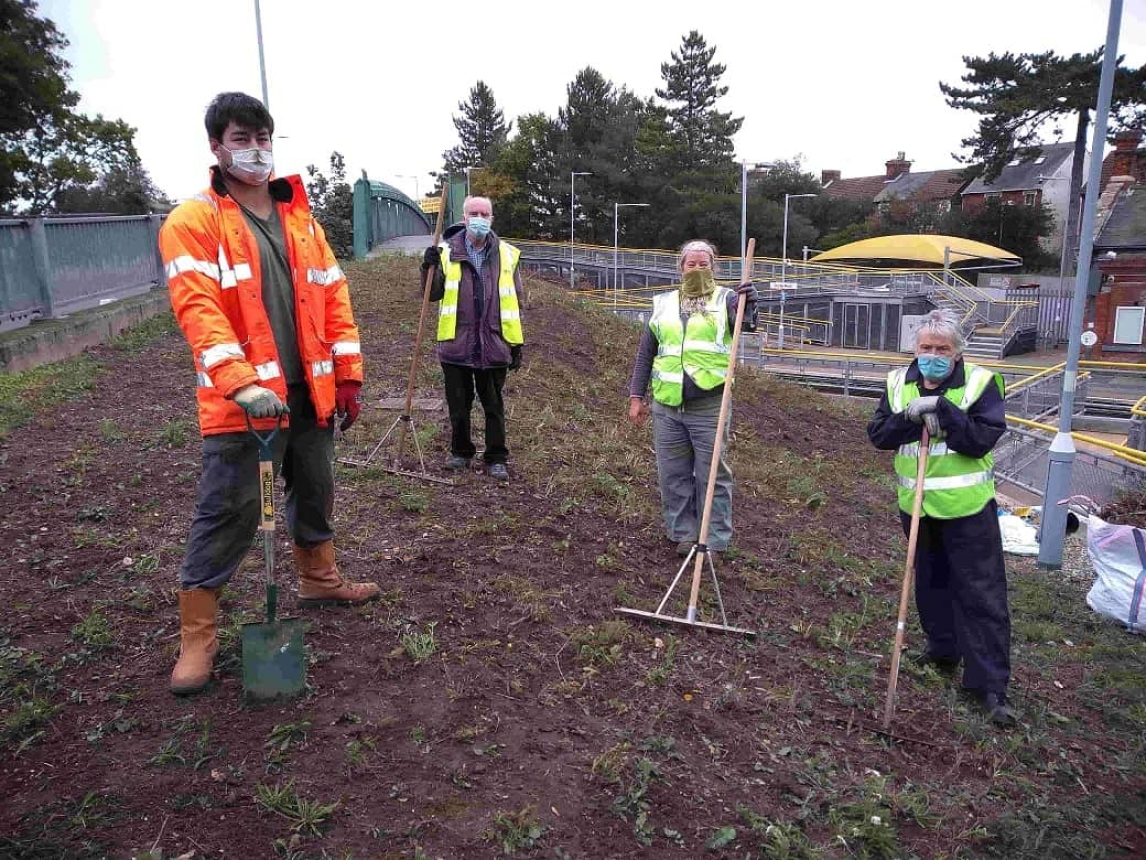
<point>684,354</point>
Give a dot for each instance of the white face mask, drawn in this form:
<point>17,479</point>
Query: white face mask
<point>251,166</point>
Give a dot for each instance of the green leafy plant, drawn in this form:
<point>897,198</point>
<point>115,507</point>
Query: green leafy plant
<point>420,645</point>
<point>517,830</point>
<point>305,816</point>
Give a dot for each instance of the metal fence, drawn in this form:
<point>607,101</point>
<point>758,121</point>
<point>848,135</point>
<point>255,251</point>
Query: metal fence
<point>1021,459</point>
<point>50,267</point>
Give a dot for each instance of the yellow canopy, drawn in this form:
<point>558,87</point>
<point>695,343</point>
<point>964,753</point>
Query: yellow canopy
<point>917,248</point>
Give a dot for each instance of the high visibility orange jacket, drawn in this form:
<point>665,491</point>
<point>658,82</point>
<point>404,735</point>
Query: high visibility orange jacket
<point>212,262</point>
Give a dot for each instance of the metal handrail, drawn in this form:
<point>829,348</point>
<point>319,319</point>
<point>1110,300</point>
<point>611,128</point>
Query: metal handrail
<point>1131,455</point>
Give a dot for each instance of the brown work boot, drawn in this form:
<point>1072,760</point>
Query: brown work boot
<point>320,583</point>
<point>197,608</point>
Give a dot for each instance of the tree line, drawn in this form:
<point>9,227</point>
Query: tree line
<point>675,153</point>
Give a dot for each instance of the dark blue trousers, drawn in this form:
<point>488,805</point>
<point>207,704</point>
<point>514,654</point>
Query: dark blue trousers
<point>961,595</point>
<point>227,508</point>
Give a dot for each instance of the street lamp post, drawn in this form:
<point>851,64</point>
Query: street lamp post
<point>616,209</point>
<point>572,204</point>
<point>262,62</point>
<point>413,176</point>
<point>1061,455</point>
<point>760,165</point>
<point>784,264</point>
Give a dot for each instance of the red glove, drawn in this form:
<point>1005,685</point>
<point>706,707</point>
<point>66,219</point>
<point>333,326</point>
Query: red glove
<point>347,403</point>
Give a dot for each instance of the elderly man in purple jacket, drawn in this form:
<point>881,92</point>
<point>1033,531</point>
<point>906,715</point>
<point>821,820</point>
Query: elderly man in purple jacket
<point>480,335</point>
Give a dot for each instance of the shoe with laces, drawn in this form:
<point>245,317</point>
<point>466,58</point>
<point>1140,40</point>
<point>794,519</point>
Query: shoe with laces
<point>995,706</point>
<point>457,464</point>
<point>498,472</point>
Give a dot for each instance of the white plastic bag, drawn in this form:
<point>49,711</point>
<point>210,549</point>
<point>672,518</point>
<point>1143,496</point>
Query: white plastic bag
<point>1019,538</point>
<point>1119,557</point>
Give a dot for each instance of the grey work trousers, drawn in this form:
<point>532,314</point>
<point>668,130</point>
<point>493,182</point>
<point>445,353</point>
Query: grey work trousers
<point>684,437</point>
<point>227,507</point>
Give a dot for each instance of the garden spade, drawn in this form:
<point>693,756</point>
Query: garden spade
<point>274,659</point>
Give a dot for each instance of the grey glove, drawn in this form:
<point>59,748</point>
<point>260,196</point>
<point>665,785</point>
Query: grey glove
<point>921,406</point>
<point>750,293</point>
<point>934,430</point>
<point>260,402</point>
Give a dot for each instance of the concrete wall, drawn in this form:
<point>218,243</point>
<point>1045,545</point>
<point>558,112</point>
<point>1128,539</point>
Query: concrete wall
<point>52,340</point>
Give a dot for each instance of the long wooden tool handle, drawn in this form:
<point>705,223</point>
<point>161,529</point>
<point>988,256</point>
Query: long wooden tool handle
<point>429,282</point>
<point>718,445</point>
<point>908,572</point>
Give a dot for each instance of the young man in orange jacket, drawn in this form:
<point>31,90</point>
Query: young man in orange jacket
<point>266,311</point>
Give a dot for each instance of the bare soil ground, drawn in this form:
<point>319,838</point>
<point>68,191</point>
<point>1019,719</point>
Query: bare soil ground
<point>493,703</point>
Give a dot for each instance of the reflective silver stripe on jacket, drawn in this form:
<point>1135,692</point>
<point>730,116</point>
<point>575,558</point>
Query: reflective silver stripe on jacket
<point>321,368</point>
<point>664,376</point>
<point>953,482</point>
<point>204,380</point>
<point>324,277</point>
<point>270,370</point>
<point>219,352</point>
<point>935,449</point>
<point>187,263</point>
<point>346,347</point>
<point>706,346</point>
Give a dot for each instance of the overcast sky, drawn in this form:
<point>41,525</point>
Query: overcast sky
<point>842,84</point>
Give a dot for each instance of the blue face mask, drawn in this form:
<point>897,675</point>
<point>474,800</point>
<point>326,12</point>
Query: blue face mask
<point>478,226</point>
<point>934,367</point>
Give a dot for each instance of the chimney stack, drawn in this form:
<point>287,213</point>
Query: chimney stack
<point>897,165</point>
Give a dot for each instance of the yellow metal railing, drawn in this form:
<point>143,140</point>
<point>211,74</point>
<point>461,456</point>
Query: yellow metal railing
<point>1131,455</point>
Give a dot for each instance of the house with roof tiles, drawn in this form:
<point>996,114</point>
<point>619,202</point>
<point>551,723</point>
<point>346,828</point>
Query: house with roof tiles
<point>938,188</point>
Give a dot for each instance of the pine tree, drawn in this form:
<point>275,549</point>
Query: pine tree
<point>482,131</point>
<point>701,133</point>
<point>1018,95</point>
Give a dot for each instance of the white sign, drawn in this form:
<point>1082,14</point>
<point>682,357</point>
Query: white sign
<point>1089,338</point>
<point>782,285</point>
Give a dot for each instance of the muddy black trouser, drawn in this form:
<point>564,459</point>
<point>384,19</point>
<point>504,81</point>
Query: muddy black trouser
<point>461,382</point>
<point>961,595</point>
<point>227,508</point>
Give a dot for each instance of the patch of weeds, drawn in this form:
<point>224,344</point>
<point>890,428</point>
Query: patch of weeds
<point>528,595</point>
<point>171,753</point>
<point>176,433</point>
<point>305,816</point>
<point>94,632</point>
<point>601,645</point>
<point>659,674</point>
<point>357,749</point>
<point>634,804</point>
<point>420,645</point>
<point>118,724</point>
<point>778,840</point>
<point>661,745</point>
<point>720,838</point>
<point>109,430</point>
<point>414,501</point>
<point>26,393</point>
<point>93,514</point>
<point>866,825</point>
<point>283,736</point>
<point>611,763</point>
<point>517,830</point>
<point>24,683</point>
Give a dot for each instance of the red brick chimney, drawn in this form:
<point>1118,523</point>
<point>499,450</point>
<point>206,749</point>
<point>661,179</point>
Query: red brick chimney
<point>1127,159</point>
<point>897,166</point>
<point>827,176</point>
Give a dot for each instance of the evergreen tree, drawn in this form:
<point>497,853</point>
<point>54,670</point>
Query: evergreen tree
<point>701,133</point>
<point>1018,95</point>
<point>482,131</point>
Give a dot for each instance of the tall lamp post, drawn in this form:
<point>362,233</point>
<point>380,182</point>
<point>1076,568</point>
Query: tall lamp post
<point>1061,456</point>
<point>413,176</point>
<point>572,210</point>
<point>262,62</point>
<point>616,209</point>
<point>759,165</point>
<point>784,264</point>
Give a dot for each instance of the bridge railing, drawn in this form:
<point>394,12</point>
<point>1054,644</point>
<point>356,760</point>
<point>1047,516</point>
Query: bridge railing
<point>50,267</point>
<point>382,212</point>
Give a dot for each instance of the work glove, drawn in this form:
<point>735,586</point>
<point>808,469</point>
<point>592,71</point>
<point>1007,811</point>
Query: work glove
<point>921,406</point>
<point>934,429</point>
<point>260,402</point>
<point>514,357</point>
<point>750,293</point>
<point>347,403</point>
<point>432,258</point>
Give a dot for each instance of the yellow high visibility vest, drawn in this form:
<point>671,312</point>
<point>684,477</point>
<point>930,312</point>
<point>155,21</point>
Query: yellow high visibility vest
<point>508,307</point>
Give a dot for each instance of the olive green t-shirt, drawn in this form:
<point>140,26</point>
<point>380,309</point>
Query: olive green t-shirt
<point>278,291</point>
